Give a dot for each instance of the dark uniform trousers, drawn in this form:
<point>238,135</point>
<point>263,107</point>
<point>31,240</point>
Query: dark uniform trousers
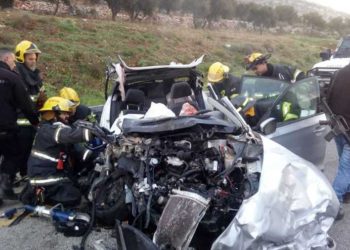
<point>9,151</point>
<point>13,97</point>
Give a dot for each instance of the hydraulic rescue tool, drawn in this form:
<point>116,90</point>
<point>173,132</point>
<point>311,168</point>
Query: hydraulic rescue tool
<point>67,222</point>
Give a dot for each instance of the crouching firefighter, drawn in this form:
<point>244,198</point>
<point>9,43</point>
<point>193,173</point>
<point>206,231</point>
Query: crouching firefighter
<point>50,175</point>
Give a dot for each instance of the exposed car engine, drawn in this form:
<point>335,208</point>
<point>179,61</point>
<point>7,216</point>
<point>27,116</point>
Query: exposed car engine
<point>216,167</point>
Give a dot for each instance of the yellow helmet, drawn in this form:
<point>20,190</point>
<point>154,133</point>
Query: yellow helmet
<point>254,59</point>
<point>25,47</point>
<point>71,95</point>
<point>217,71</point>
<point>57,103</point>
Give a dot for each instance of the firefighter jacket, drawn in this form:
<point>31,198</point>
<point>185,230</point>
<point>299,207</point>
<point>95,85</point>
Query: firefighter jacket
<point>13,96</point>
<point>51,147</point>
<point>284,72</point>
<point>31,79</point>
<point>229,86</point>
<point>82,113</point>
<point>32,82</point>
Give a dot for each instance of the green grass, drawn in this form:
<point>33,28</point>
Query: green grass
<point>75,51</point>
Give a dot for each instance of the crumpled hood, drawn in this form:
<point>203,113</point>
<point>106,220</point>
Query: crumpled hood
<point>293,209</point>
<point>333,63</point>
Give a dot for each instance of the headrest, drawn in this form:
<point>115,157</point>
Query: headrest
<point>135,96</point>
<point>180,89</point>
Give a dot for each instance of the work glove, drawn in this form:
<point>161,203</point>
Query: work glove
<point>42,97</point>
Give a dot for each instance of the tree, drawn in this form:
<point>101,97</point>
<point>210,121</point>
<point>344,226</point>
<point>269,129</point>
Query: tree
<point>337,24</point>
<point>135,7</point>
<point>206,11</point>
<point>6,4</point>
<point>221,9</point>
<point>200,11</point>
<point>114,6</point>
<point>286,13</point>
<point>261,17</point>
<point>242,11</point>
<point>169,5</point>
<point>147,6</point>
<point>57,3</point>
<point>314,20</point>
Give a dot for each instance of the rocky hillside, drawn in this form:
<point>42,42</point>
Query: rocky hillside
<point>302,7</point>
<point>75,50</point>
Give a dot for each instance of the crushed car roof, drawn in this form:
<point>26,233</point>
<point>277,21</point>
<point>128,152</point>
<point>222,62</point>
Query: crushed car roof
<point>133,75</point>
<point>172,65</point>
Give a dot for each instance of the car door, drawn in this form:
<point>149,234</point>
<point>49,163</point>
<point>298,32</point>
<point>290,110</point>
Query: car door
<point>264,91</point>
<point>302,134</point>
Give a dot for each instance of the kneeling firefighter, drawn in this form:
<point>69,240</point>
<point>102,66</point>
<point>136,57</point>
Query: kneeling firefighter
<point>48,162</point>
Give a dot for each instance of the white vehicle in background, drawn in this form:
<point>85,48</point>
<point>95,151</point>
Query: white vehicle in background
<point>331,62</point>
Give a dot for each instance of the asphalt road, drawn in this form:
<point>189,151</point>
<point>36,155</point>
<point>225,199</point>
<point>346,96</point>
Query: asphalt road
<point>38,233</point>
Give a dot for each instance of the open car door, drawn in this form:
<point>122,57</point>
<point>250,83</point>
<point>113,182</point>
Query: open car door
<point>298,128</point>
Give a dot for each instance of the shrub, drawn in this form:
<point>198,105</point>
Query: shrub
<point>24,22</point>
<point>6,4</point>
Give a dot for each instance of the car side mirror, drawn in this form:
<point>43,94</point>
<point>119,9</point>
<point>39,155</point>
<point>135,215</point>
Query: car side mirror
<point>268,126</point>
<point>325,55</point>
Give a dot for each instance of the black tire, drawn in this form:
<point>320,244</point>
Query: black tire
<point>110,199</point>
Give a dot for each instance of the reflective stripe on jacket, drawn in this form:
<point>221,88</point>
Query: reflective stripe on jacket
<point>51,140</point>
<point>286,112</point>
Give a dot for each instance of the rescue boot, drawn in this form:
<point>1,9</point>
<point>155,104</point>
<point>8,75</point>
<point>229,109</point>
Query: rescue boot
<point>6,188</point>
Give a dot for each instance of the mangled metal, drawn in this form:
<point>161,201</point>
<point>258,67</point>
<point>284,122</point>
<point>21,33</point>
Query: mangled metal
<point>293,209</point>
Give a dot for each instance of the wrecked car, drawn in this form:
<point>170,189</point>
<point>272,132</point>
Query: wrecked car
<point>205,180</point>
<point>137,87</point>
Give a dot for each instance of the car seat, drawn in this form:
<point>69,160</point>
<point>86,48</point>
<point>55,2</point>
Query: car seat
<point>134,102</point>
<point>180,93</point>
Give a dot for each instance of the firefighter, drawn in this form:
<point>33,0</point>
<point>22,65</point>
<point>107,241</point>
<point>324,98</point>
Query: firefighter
<point>27,54</point>
<point>288,109</point>
<point>79,111</point>
<point>258,63</point>
<point>82,155</point>
<point>222,81</point>
<point>13,97</point>
<point>51,149</point>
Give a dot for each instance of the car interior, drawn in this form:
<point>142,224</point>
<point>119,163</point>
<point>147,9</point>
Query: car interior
<point>171,91</point>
